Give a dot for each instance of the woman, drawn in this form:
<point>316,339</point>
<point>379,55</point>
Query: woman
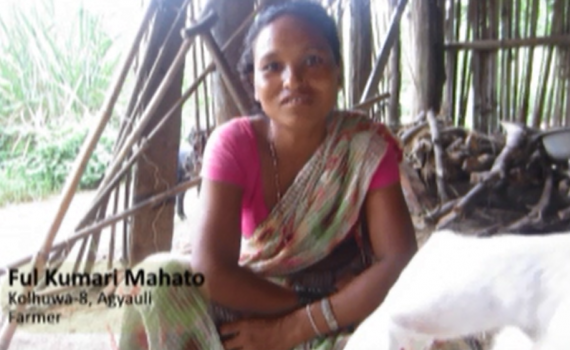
<point>304,227</point>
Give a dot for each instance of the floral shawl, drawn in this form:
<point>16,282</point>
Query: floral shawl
<point>324,202</point>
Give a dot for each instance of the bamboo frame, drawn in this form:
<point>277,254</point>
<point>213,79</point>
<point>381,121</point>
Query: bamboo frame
<point>503,44</point>
<point>382,59</point>
<point>70,186</point>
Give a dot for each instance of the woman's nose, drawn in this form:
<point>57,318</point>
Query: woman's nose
<point>292,78</point>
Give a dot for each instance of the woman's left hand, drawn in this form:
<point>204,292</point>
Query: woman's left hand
<point>257,334</point>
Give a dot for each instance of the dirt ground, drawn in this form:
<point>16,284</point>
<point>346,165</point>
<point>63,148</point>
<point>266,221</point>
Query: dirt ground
<point>23,228</point>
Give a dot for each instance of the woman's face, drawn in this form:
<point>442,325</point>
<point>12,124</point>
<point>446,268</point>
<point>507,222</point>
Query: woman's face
<point>295,76</point>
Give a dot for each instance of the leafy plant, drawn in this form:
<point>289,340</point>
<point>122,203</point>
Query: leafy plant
<point>50,72</point>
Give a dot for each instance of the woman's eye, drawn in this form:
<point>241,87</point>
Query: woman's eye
<point>313,60</point>
<point>271,67</point>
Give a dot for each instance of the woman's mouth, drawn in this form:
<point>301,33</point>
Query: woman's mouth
<point>296,100</point>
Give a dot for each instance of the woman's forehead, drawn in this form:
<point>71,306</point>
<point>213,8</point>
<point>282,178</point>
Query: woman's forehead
<point>288,33</point>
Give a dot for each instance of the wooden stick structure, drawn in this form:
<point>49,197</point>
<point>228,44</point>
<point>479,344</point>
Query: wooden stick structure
<point>70,187</point>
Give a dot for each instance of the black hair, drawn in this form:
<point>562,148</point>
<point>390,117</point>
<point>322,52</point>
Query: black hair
<point>309,11</point>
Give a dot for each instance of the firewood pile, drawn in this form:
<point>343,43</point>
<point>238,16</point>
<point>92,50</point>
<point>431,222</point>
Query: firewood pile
<point>462,173</point>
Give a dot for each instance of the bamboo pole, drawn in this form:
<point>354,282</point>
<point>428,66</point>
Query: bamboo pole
<point>506,59</point>
<point>438,155</point>
<point>565,53</point>
<point>114,175</point>
<point>194,74</point>
<point>205,92</point>
<point>523,114</point>
<point>465,79</point>
<point>112,237</point>
<point>517,56</point>
<point>544,79</point>
<point>127,201</point>
<point>382,59</point>
<point>70,186</point>
<point>550,115</point>
<point>476,66</point>
<point>503,44</point>
<point>493,117</point>
<point>234,87</point>
<point>453,22</point>
<point>143,80</point>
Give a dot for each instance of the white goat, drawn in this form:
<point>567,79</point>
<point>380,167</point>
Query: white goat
<point>458,286</point>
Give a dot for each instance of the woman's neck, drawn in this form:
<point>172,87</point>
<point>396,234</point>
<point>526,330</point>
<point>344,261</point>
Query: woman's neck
<point>296,141</point>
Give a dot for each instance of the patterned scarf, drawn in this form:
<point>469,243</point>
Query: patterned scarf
<point>324,202</point>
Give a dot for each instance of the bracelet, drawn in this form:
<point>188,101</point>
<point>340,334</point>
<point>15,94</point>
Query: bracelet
<point>306,295</point>
<point>328,315</point>
<point>313,324</point>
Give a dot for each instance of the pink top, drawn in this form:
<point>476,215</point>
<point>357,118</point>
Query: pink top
<point>231,155</point>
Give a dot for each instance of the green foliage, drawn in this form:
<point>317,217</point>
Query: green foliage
<point>56,64</point>
<point>45,169</point>
<point>52,67</point>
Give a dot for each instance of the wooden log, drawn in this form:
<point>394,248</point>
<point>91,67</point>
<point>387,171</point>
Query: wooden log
<point>455,158</point>
<point>564,214</point>
<point>477,143</point>
<point>478,163</point>
<point>451,133</point>
<point>428,64</point>
<point>456,146</point>
<point>156,169</point>
<point>415,192</point>
<point>476,177</point>
<point>434,215</point>
<point>516,138</point>
<point>438,154</point>
<point>408,134</point>
<point>536,214</point>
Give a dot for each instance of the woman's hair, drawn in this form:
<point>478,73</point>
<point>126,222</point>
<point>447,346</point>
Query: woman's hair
<point>309,11</point>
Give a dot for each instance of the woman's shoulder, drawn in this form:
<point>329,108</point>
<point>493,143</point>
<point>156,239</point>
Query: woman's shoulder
<point>231,134</point>
<point>235,128</point>
<point>228,151</point>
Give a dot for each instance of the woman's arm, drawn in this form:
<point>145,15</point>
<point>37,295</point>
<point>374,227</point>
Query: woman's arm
<point>393,241</point>
<point>215,253</point>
